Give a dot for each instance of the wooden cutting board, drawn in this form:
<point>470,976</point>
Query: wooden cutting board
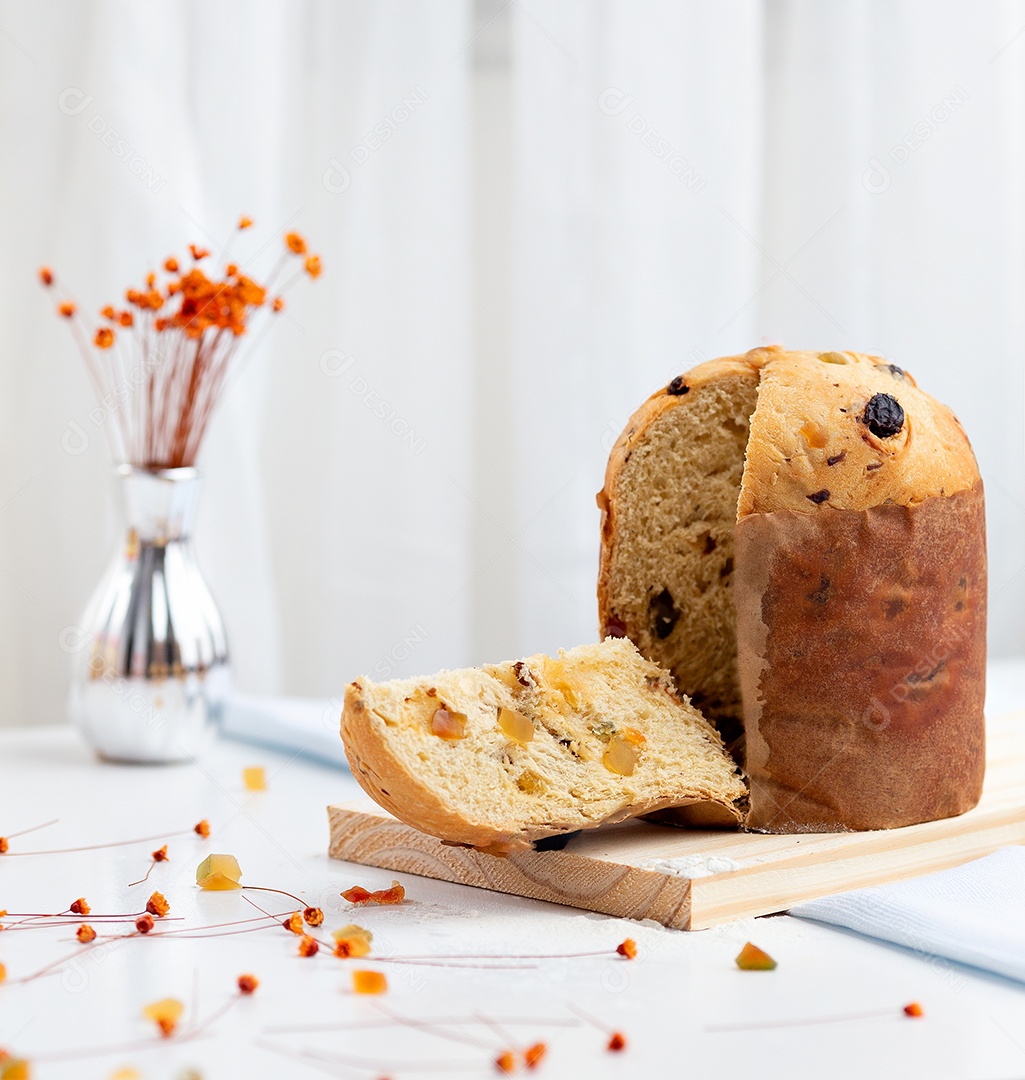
<point>692,879</point>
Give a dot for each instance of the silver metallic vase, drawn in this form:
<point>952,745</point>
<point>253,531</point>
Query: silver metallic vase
<point>151,672</point>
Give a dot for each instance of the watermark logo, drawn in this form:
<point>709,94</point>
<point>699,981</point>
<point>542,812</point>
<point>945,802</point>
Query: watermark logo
<point>615,102</point>
<point>337,176</point>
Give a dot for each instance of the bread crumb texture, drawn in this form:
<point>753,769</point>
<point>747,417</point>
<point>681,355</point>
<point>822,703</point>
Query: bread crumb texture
<point>498,756</point>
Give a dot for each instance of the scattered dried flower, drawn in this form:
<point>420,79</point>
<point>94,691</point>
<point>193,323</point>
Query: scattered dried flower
<point>144,923</point>
<point>219,872</point>
<point>46,275</point>
<point>198,253</point>
<point>247,984</point>
<point>4,845</point>
<point>279,304</point>
<point>369,982</point>
<point>244,222</point>
<point>202,828</point>
<point>358,895</point>
<point>165,1014</point>
<point>312,266</point>
<point>80,906</point>
<point>157,905</point>
<point>914,1009</point>
<point>505,1062</point>
<point>3,973</point>
<point>294,922</point>
<point>171,264</point>
<point>254,777</point>
<point>627,948</point>
<point>85,933</point>
<point>16,1069</point>
<point>313,916</point>
<point>751,958</point>
<point>160,855</point>
<point>66,309</point>
<point>616,1042</point>
<point>533,1055</point>
<point>308,946</point>
<point>296,244</point>
<point>104,338</point>
<point>126,318</point>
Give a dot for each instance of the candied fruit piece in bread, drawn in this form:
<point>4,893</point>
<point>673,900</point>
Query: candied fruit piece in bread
<point>542,747</point>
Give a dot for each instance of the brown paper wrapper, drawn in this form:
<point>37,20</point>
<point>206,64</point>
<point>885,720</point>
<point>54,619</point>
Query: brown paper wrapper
<point>862,644</point>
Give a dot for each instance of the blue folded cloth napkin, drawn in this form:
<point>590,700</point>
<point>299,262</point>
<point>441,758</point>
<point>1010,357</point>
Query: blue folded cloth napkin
<point>292,725</point>
<point>974,914</point>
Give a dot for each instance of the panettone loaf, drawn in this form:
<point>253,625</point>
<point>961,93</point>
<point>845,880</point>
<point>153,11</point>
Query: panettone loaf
<point>500,756</point>
<point>811,526</point>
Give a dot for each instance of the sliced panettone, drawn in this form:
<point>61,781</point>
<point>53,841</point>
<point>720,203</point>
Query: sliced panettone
<point>800,538</point>
<point>499,756</point>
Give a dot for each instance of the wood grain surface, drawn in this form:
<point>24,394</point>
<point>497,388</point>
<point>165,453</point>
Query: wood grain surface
<point>712,876</point>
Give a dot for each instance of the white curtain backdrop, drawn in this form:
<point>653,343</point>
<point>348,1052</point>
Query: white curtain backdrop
<point>531,215</point>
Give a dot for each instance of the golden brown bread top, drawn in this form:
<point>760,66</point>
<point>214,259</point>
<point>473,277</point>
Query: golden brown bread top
<point>826,432</point>
<point>811,434</point>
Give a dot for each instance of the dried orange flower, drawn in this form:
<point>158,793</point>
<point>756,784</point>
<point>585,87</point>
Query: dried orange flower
<point>67,309</point>
<point>3,973</point>
<point>16,1069</point>
<point>505,1062</point>
<point>198,252</point>
<point>157,905</point>
<point>313,916</point>
<point>616,1042</point>
<point>296,244</point>
<point>294,922</point>
<point>144,923</point>
<point>4,845</point>
<point>244,222</point>
<point>533,1055</point>
<point>160,855</point>
<point>46,275</point>
<point>85,933</point>
<point>358,895</point>
<point>627,948</point>
<point>247,983</point>
<point>369,982</point>
<point>219,872</point>
<point>279,304</point>
<point>308,947</point>
<point>751,958</point>
<point>254,777</point>
<point>104,338</point>
<point>171,264</point>
<point>126,318</point>
<point>165,1014</point>
<point>108,312</point>
<point>231,270</point>
<point>914,1009</point>
<point>312,265</point>
<point>202,829</point>
<point>352,941</point>
<point>80,906</point>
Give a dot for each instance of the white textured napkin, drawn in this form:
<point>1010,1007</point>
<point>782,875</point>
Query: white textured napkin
<point>974,914</point>
<point>293,725</point>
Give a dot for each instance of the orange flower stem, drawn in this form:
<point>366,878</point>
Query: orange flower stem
<point>99,847</point>
<point>869,1014</point>
<point>283,892</point>
<point>593,1021</point>
<point>33,828</point>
